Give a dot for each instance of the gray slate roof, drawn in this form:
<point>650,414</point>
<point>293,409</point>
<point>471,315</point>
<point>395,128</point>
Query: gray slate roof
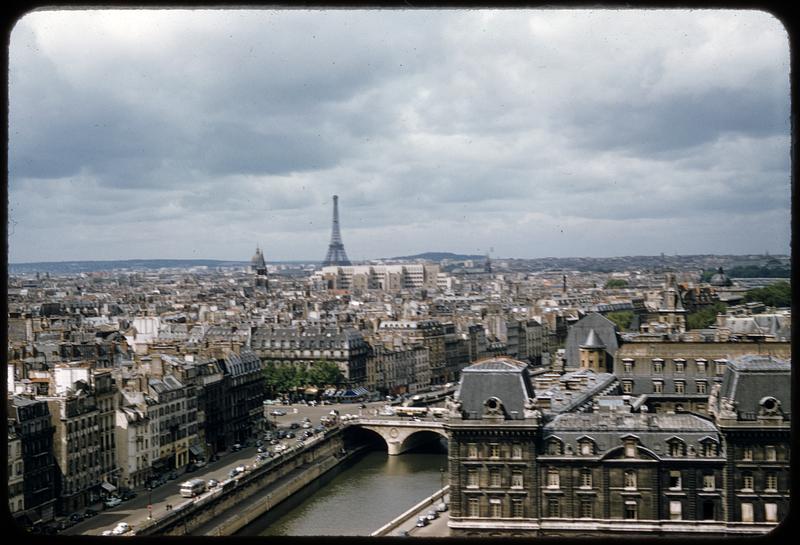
<point>749,379</point>
<point>503,378</point>
<point>654,431</point>
<point>579,331</point>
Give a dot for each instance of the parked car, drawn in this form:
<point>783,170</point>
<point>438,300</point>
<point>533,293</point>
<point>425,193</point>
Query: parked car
<point>63,524</point>
<point>107,533</point>
<point>200,463</point>
<point>113,502</point>
<point>442,507</point>
<point>236,447</point>
<point>212,483</point>
<point>89,513</point>
<point>422,521</point>
<point>172,476</point>
<point>290,435</point>
<point>75,517</point>
<point>190,468</point>
<point>294,425</point>
<point>127,495</point>
<point>277,412</point>
<point>260,449</point>
<point>306,425</point>
<point>432,515</point>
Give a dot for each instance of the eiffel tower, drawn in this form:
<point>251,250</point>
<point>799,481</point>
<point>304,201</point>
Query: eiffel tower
<point>336,254</point>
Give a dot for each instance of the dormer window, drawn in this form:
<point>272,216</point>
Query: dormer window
<point>630,447</point>
<point>709,447</point>
<point>554,447</point>
<point>586,447</point>
<point>677,448</point>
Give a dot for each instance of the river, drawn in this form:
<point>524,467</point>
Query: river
<point>357,498</point>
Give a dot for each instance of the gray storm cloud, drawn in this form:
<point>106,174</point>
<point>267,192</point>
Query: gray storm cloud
<point>179,134</point>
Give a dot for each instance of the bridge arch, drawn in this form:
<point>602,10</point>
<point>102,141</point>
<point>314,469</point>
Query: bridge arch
<point>402,436</point>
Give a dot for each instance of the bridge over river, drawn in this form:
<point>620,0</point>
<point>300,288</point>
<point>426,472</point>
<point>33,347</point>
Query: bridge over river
<point>401,435</point>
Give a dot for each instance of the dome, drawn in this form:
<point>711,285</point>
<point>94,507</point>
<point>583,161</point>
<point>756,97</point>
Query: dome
<point>257,262</point>
<point>720,279</point>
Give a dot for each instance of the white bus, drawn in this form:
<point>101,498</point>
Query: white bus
<point>193,487</point>
<point>411,411</point>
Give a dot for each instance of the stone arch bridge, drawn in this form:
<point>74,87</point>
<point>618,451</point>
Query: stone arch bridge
<point>401,435</point>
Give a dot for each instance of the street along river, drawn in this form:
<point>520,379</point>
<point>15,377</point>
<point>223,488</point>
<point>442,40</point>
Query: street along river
<point>358,497</point>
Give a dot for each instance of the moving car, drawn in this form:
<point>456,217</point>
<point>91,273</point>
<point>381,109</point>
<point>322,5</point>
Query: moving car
<point>113,502</point>
<point>278,412</point>
<point>213,483</point>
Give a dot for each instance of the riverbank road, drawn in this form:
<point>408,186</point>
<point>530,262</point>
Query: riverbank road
<point>435,528</point>
<point>135,511</point>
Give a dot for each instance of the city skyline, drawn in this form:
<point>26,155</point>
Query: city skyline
<point>201,134</point>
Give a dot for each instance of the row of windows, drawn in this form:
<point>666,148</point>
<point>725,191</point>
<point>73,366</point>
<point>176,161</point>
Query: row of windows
<point>770,453</point>
<point>770,482</point>
<point>586,447</point>
<point>770,512</point>
<point>701,386</point>
<point>82,424</point>
<point>586,509</point>
<point>679,366</point>
<point>494,479</point>
<point>494,450</point>
<point>495,508</point>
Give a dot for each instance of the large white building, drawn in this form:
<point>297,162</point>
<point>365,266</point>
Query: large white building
<point>378,277</point>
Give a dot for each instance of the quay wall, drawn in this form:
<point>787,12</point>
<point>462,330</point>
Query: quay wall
<point>241,494</point>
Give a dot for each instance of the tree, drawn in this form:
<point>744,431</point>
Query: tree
<point>778,294</point>
<point>622,318</point>
<point>705,317</point>
<point>325,373</point>
<point>615,283</point>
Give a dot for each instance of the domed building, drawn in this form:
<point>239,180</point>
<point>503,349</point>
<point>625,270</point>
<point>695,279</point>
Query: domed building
<point>720,279</point>
<point>259,267</point>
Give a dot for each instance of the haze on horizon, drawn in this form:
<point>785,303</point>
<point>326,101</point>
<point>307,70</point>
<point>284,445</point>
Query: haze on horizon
<point>189,134</point>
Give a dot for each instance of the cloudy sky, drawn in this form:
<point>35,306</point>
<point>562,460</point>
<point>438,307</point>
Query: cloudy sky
<point>200,134</point>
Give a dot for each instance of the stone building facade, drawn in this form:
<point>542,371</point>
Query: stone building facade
<point>523,468</point>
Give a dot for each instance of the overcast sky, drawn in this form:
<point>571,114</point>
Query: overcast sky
<point>200,134</point>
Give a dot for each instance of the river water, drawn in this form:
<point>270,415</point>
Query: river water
<point>356,498</point>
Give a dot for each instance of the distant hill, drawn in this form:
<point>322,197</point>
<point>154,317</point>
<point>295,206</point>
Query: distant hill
<point>438,256</point>
<point>132,264</point>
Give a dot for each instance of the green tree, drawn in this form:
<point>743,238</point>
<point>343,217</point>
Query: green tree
<point>705,317</point>
<point>615,283</point>
<point>324,373</point>
<point>622,318</point>
<point>778,294</point>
